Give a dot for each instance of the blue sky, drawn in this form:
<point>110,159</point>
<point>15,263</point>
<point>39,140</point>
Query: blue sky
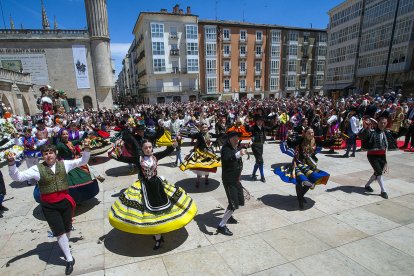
<point>70,14</point>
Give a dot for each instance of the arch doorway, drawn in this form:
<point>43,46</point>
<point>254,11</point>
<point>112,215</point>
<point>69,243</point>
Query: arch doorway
<point>6,103</point>
<point>87,102</point>
<point>193,98</point>
<point>25,106</point>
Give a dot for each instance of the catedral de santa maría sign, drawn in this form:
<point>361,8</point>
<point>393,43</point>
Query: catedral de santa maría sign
<point>31,61</point>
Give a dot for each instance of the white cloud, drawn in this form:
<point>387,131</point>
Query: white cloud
<point>118,52</point>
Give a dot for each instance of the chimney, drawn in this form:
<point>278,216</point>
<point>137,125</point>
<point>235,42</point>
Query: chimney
<point>164,10</point>
<point>188,10</point>
<point>181,11</point>
<point>175,9</point>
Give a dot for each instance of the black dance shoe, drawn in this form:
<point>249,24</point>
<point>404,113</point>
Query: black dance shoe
<point>232,220</point>
<point>69,267</point>
<point>369,189</point>
<point>384,195</point>
<point>224,230</point>
<point>263,179</point>
<point>301,206</point>
<point>158,243</point>
<point>254,177</point>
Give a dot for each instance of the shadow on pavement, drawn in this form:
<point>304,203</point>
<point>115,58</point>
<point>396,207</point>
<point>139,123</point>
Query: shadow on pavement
<point>277,165</point>
<point>97,160</point>
<point>133,245</point>
<point>349,190</point>
<point>119,171</point>
<point>42,250</point>
<point>189,185</point>
<point>285,202</point>
<point>211,219</point>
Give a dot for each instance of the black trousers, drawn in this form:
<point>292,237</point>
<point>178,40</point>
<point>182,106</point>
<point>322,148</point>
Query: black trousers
<point>59,216</point>
<point>235,195</point>
<point>409,135</point>
<point>301,191</point>
<point>2,185</point>
<point>378,163</point>
<point>258,153</point>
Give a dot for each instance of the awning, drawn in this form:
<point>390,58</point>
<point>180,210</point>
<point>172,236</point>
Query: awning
<point>336,86</point>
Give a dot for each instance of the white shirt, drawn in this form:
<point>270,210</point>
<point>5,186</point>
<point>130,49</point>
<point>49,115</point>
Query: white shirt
<point>33,172</point>
<point>354,124</point>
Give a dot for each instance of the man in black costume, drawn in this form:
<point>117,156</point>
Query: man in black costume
<point>232,165</point>
<point>377,140</point>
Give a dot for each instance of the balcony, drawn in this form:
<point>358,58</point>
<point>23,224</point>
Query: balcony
<point>174,52</point>
<point>243,40</point>
<point>257,88</point>
<point>242,73</point>
<point>226,72</point>
<point>141,56</point>
<point>258,73</point>
<point>243,89</point>
<point>226,55</point>
<point>227,89</point>
<point>10,76</point>
<point>259,41</point>
<point>258,56</point>
<point>142,73</point>
<point>242,55</point>
<point>173,35</point>
<point>305,56</point>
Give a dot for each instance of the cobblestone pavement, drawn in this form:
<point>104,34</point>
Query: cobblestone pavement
<point>342,231</point>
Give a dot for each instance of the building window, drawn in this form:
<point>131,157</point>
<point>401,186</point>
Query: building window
<point>275,51</point>
<point>210,33</point>
<point>290,81</point>
<point>293,36</point>
<point>211,85</point>
<point>192,48</point>
<point>159,65</point>
<point>242,50</point>
<point>192,65</point>
<point>258,66</point>
<point>322,51</point>
<point>211,49</point>
<point>242,66</point>
<point>242,35</point>
<point>226,49</point>
<point>258,50</point>
<point>292,66</point>
<point>227,84</point>
<point>242,84</point>
<point>275,36</point>
<point>319,80</point>
<point>320,66</point>
<point>274,83</point>
<point>323,37</point>
<point>211,67</point>
<point>226,65</point>
<point>293,50</point>
<point>303,83</point>
<point>158,48</point>
<point>191,32</point>
<point>157,30</point>
<point>257,84</point>
<point>226,34</point>
<point>306,37</point>
<point>274,67</point>
<point>303,67</point>
<point>259,36</point>
<point>173,31</point>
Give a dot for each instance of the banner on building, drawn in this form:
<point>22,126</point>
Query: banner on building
<point>81,66</point>
<point>35,64</point>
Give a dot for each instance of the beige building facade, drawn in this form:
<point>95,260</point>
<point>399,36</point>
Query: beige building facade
<point>77,61</point>
<point>245,60</point>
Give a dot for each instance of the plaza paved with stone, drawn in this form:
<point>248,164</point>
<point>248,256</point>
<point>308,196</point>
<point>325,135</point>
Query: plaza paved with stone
<point>342,231</point>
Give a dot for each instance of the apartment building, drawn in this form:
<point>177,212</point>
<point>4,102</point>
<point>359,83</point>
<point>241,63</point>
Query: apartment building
<point>370,47</point>
<point>256,61</point>
<point>166,61</point>
<point>380,18</point>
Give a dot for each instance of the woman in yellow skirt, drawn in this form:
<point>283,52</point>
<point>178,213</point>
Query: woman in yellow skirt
<point>151,206</point>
